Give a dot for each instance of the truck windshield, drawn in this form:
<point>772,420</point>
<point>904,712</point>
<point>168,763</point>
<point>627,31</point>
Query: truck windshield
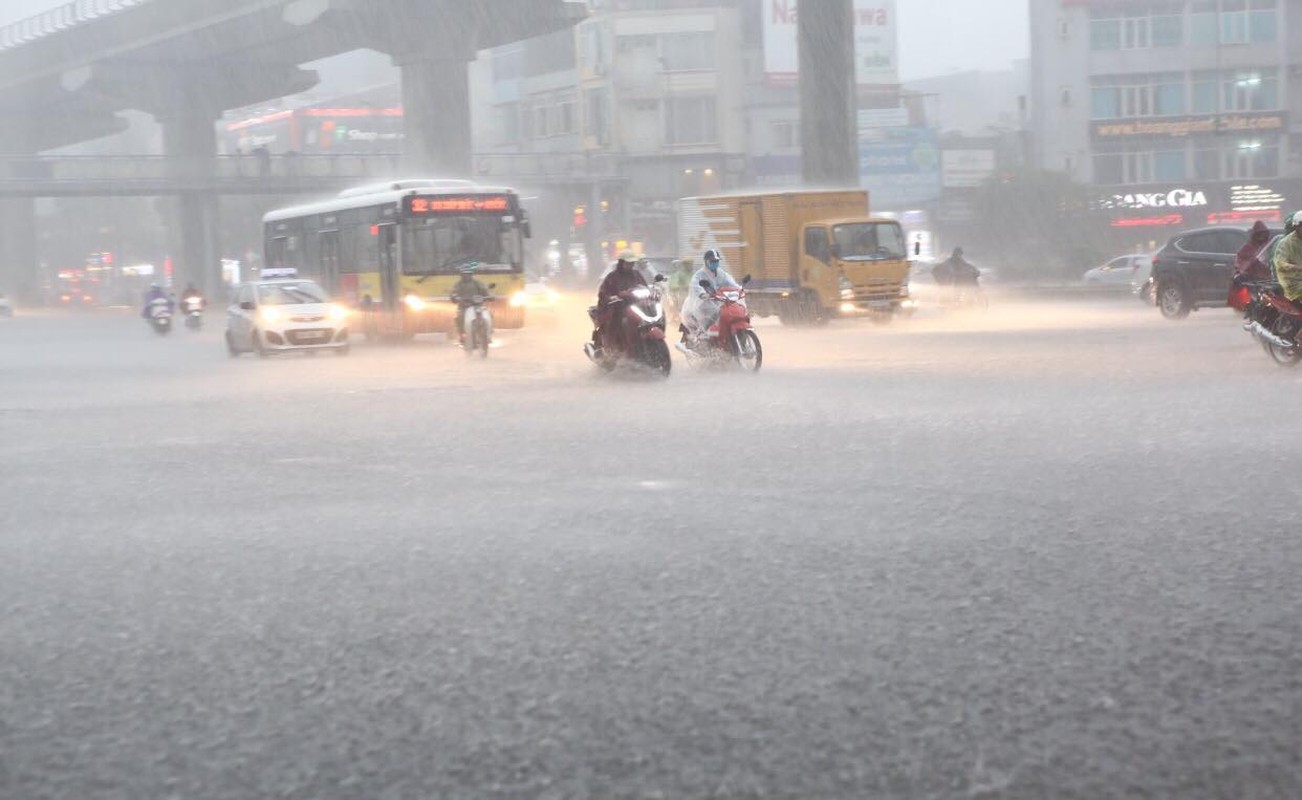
<point>860,241</point>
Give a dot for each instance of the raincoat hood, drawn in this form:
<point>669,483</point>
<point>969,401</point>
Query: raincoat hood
<point>1260,233</point>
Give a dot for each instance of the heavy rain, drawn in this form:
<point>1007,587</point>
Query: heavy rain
<point>649,399</point>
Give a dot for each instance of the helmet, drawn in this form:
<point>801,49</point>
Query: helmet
<point>469,267</point>
<point>154,287</point>
<point>628,256</point>
<point>958,252</point>
<point>1292,221</point>
<point>712,260</point>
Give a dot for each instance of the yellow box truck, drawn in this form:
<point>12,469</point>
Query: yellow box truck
<point>812,255</point>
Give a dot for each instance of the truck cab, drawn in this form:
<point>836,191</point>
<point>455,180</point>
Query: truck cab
<point>855,265</point>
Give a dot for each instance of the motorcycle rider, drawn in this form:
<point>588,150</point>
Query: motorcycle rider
<point>191,291</point>
<point>463,293</point>
<point>1288,262</point>
<point>155,295</point>
<point>956,272</point>
<point>1290,225</point>
<point>617,284</point>
<point>1248,264</point>
<point>699,312</point>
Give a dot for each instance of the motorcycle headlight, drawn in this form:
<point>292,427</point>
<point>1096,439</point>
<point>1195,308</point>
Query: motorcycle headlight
<point>519,299</point>
<point>413,302</point>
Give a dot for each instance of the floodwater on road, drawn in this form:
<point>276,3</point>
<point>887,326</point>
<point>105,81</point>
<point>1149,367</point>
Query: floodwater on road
<point>1046,550</point>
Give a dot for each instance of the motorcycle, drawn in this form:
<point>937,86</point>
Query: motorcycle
<point>160,317</point>
<point>640,316</point>
<point>730,340</point>
<point>477,326</point>
<point>1272,319</point>
<point>193,308</point>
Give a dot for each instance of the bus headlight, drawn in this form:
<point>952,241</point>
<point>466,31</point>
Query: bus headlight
<point>414,303</point>
<point>519,299</point>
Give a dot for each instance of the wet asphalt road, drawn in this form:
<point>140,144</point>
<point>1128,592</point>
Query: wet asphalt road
<point>1050,551</point>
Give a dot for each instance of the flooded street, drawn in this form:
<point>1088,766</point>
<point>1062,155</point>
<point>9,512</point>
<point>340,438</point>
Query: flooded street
<point>1048,550</point>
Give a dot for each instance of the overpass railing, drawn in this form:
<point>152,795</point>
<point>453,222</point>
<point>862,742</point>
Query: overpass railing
<point>60,18</point>
<point>106,175</point>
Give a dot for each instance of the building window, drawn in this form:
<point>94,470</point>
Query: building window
<point>691,120</point>
<point>1251,159</point>
<point>786,134</point>
<point>1168,30</point>
<point>1105,34</point>
<point>508,123</point>
<point>1202,23</point>
<point>1138,96</point>
<point>1169,165</point>
<point>1250,91</point>
<point>1140,166</point>
<point>597,116</point>
<point>687,51</point>
<point>1207,165</point>
<point>1156,25</point>
<point>1213,22</point>
<point>1205,89</point>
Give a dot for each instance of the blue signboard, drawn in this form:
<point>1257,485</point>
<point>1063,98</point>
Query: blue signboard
<point>900,167</point>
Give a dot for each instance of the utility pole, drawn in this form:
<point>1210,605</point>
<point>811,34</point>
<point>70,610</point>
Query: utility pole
<point>827,92</point>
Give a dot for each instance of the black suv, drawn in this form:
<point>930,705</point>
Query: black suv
<point>1195,268</point>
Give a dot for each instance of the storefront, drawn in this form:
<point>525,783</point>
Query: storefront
<point>1142,218</point>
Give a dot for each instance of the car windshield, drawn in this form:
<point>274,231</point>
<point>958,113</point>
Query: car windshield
<point>862,241</point>
<point>290,294</point>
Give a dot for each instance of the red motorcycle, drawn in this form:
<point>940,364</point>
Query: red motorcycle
<point>1273,319</point>
<point>730,340</point>
<point>640,318</point>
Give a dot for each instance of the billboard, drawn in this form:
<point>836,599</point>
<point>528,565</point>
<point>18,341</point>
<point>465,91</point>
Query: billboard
<point>900,167</point>
<point>966,169</point>
<point>874,42</point>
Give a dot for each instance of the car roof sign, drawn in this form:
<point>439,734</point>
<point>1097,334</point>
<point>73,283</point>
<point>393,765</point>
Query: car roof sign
<point>278,272</point>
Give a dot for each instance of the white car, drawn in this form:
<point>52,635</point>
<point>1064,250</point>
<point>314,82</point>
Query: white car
<point>273,316</point>
<point>1120,272</point>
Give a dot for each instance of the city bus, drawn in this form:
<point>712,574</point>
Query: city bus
<point>392,251</point>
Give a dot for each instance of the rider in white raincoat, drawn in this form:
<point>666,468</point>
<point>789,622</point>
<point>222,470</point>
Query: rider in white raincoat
<point>700,311</point>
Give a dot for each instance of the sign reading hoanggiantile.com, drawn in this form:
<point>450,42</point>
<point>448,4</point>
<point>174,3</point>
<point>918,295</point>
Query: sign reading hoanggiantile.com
<point>1181,127</point>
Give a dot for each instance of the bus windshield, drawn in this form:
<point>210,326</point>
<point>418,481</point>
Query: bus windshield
<point>869,241</point>
<point>442,245</point>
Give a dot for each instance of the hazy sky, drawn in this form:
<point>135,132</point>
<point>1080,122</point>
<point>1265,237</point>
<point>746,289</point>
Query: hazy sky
<point>936,36</point>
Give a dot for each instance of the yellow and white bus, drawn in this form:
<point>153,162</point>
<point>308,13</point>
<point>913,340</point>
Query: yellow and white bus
<point>393,250</point>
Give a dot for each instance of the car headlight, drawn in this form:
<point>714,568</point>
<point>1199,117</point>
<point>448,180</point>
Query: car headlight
<point>414,303</point>
<point>553,296</point>
<point>519,299</point>
<point>269,315</point>
<point>338,313</point>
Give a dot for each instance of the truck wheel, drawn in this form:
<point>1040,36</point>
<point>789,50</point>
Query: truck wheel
<point>1172,299</point>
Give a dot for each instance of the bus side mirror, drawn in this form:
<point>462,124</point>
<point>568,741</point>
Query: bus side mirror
<point>745,281</point>
<point>247,305</point>
<point>836,251</point>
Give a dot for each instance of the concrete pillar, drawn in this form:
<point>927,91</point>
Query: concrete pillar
<point>19,258</point>
<point>827,93</point>
<point>436,109</point>
<point>190,140</point>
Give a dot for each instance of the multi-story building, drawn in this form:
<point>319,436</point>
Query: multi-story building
<point>1177,110</point>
